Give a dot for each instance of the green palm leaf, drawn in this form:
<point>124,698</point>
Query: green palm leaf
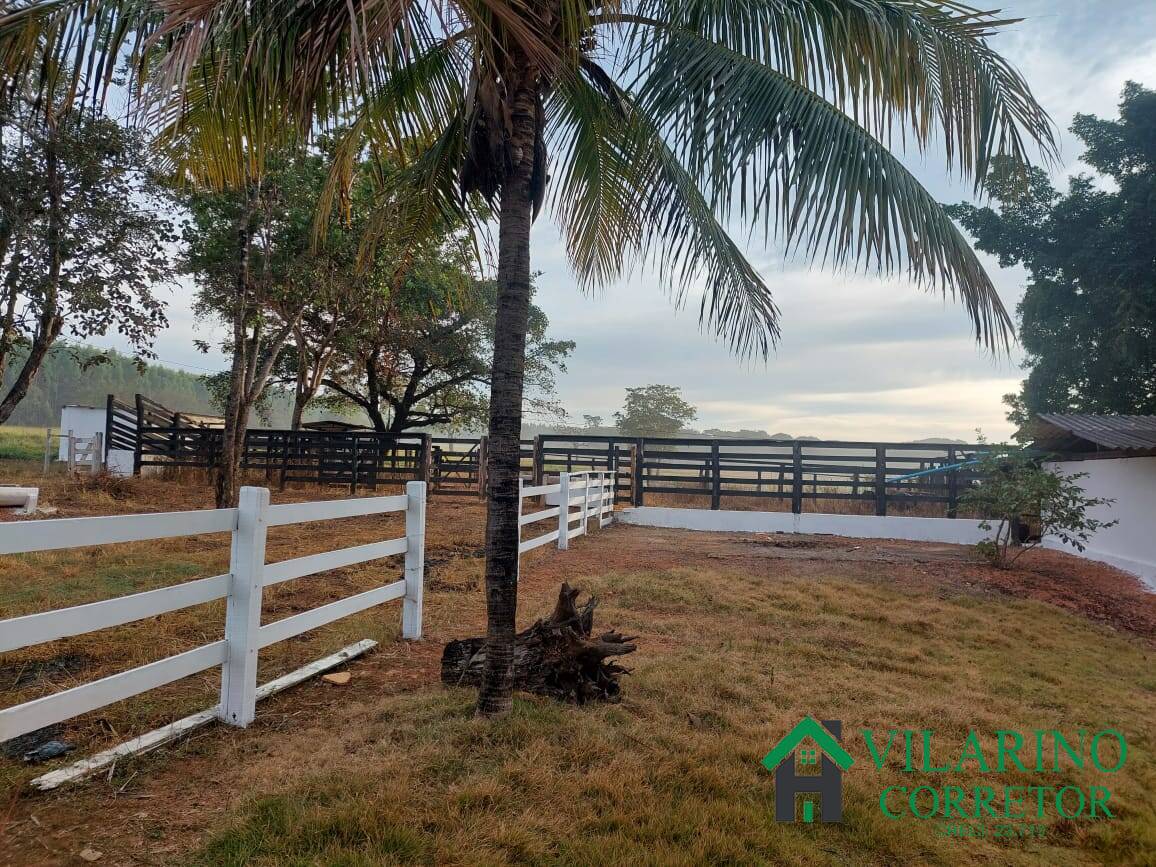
<point>760,141</point>
<point>622,198</point>
<point>897,66</point>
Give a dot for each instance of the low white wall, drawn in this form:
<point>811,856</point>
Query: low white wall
<point>1131,544</point>
<point>959,531</point>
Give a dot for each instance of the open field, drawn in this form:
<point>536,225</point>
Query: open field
<point>21,444</point>
<point>739,637</point>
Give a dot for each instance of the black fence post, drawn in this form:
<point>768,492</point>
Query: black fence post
<point>426,457</point>
<point>108,413</point>
<point>136,459</point>
<point>287,442</point>
<point>797,478</point>
<point>880,480</point>
<point>539,469</point>
<point>715,478</point>
<point>484,459</point>
<point>952,483</point>
<point>636,467</point>
<point>353,467</point>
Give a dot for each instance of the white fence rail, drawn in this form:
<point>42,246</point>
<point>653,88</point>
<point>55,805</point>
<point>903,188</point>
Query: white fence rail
<point>591,492</point>
<point>242,586</point>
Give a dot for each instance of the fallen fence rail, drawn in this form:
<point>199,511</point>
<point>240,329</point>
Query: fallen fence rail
<point>242,587</point>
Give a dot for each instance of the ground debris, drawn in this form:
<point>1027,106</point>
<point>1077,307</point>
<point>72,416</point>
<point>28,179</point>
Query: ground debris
<point>557,656</point>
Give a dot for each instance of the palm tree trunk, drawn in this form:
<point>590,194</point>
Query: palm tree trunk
<point>502,464</point>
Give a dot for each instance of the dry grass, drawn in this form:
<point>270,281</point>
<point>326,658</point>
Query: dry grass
<point>739,637</point>
<point>730,660</point>
<point>90,574</point>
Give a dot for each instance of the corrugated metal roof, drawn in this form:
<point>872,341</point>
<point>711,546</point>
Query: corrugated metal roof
<point>1121,432</point>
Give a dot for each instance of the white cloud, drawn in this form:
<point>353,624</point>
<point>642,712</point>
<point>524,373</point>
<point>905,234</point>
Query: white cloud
<point>861,357</point>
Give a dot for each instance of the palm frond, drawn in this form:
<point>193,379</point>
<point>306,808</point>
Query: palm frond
<point>71,47</point>
<point>899,67</point>
<point>622,197</point>
<point>792,161</point>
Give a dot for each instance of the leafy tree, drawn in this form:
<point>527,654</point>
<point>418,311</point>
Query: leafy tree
<point>654,410</point>
<point>290,288</point>
<point>82,247</point>
<point>591,422</point>
<point>423,359</point>
<point>664,119</point>
<point>1088,315</point>
<point>1016,485</point>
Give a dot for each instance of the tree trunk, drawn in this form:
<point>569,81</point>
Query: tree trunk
<point>513,305</point>
<point>299,401</point>
<point>227,457</point>
<point>50,321</point>
<point>556,656</point>
<point>46,336</point>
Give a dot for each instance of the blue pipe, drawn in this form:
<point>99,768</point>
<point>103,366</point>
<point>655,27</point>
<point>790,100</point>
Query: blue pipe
<point>931,472</point>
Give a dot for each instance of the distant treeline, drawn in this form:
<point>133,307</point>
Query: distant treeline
<point>70,376</point>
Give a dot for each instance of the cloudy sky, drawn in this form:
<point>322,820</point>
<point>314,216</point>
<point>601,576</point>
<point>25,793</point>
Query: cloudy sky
<point>860,357</point>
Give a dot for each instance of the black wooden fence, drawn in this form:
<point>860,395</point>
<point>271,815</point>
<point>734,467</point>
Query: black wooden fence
<point>875,477</point>
<point>802,475</point>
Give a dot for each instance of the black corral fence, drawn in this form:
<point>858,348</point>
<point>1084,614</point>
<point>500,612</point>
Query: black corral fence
<point>787,475</point>
<point>799,475</point>
<point>349,458</point>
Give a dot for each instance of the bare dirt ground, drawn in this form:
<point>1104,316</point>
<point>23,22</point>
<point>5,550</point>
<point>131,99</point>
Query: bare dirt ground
<point>161,807</point>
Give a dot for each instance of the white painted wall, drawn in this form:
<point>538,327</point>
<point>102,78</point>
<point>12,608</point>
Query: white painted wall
<point>958,531</point>
<point>83,421</point>
<point>1131,544</point>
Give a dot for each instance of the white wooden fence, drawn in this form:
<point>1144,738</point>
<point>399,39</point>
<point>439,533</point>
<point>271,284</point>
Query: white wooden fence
<point>242,586</point>
<point>591,492</point>
<point>83,452</point>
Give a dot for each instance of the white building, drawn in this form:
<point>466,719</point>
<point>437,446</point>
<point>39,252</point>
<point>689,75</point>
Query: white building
<point>1118,454</point>
<point>84,422</point>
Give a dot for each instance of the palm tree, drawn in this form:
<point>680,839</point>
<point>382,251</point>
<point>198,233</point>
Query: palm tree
<point>650,124</point>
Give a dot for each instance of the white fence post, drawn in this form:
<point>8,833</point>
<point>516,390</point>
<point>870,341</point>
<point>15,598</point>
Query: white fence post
<point>414,560</point>
<point>96,452</point>
<point>585,506</point>
<point>243,611</point>
<point>564,511</point>
<point>521,484</point>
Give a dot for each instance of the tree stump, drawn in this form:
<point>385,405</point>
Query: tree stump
<point>556,656</point>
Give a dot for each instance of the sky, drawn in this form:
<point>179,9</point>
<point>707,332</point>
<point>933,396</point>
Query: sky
<point>861,357</point>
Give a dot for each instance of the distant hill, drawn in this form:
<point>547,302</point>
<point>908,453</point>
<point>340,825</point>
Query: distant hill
<point>64,378</point>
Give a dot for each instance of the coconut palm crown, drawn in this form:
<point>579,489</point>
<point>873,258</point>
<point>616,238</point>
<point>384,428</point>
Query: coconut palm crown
<point>644,127</point>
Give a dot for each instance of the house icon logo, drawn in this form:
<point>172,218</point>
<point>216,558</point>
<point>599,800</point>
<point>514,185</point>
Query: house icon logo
<point>808,743</point>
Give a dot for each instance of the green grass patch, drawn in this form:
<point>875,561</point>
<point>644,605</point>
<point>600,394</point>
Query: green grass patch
<point>21,443</point>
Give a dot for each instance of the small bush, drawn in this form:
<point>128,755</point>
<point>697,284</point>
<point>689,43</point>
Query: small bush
<point>1017,485</point>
